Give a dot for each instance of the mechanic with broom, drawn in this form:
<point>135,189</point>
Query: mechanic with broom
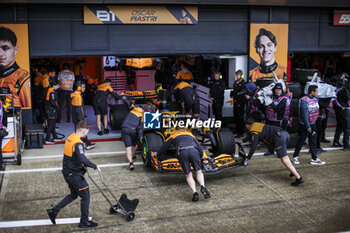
<point>189,154</point>
<point>272,135</point>
<point>74,167</point>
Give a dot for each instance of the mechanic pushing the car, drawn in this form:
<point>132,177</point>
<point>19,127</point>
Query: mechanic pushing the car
<point>274,135</point>
<point>132,133</point>
<point>188,98</point>
<point>101,106</point>
<point>189,153</point>
<point>74,166</point>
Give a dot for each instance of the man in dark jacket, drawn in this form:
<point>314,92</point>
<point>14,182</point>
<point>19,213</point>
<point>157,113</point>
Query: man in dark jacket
<point>3,125</point>
<point>342,113</point>
<point>216,94</point>
<point>51,108</point>
<point>189,153</point>
<point>74,167</point>
<point>132,133</point>
<point>237,94</point>
<point>275,136</point>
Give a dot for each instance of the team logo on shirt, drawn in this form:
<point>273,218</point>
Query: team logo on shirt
<point>151,120</point>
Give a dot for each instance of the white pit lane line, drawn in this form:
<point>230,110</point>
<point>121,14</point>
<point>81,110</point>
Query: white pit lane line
<point>126,164</point>
<point>61,155</point>
<point>60,168</point>
<point>39,222</point>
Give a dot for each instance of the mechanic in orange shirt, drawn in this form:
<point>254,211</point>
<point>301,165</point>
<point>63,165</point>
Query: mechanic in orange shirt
<point>184,74</point>
<point>266,46</point>
<point>16,79</point>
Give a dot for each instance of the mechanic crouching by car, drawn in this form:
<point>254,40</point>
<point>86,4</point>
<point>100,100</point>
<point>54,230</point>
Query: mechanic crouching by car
<point>100,104</point>
<point>188,98</point>
<point>273,135</point>
<point>189,154</point>
<point>132,133</point>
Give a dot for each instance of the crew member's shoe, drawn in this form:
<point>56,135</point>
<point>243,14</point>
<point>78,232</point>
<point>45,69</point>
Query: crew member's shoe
<point>205,192</point>
<point>295,160</point>
<point>52,215</point>
<point>268,153</point>
<point>321,150</point>
<point>49,142</point>
<point>337,144</point>
<point>90,145</point>
<point>346,149</point>
<point>56,139</point>
<point>195,197</point>
<point>131,166</point>
<point>100,133</point>
<point>89,224</point>
<point>106,131</point>
<point>298,181</point>
<point>317,161</point>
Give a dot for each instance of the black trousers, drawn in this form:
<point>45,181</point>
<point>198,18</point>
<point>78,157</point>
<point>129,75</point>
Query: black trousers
<point>238,116</point>
<point>321,124</point>
<point>312,140</point>
<point>217,108</point>
<point>1,151</point>
<point>51,129</point>
<point>78,187</point>
<point>64,96</point>
<point>343,125</point>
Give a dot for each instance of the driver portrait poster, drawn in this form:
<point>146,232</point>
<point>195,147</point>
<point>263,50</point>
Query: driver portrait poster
<point>14,63</point>
<point>268,54</point>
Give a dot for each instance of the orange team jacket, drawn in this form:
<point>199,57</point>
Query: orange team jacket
<point>19,84</point>
<point>184,75</point>
<point>255,73</point>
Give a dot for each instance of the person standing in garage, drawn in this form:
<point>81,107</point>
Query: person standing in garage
<point>238,92</point>
<point>78,110</point>
<point>342,112</point>
<point>216,95</point>
<point>66,79</point>
<point>100,104</point>
<point>51,108</point>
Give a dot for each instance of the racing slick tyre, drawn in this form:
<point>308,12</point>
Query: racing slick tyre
<point>151,142</point>
<point>303,75</point>
<point>117,115</point>
<point>225,141</point>
<point>293,140</point>
<point>263,82</point>
<point>296,89</point>
<point>294,108</point>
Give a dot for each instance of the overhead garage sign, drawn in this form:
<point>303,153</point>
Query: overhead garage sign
<point>341,18</point>
<point>140,15</point>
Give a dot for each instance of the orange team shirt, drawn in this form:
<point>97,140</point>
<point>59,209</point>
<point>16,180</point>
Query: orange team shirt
<point>184,75</point>
<point>104,87</point>
<point>19,84</point>
<point>255,73</point>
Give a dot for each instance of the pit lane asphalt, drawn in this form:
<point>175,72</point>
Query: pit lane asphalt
<point>258,198</point>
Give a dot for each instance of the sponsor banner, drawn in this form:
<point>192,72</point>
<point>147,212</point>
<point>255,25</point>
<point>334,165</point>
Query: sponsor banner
<point>341,18</point>
<point>140,15</point>
<point>17,82</point>
<point>268,51</point>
